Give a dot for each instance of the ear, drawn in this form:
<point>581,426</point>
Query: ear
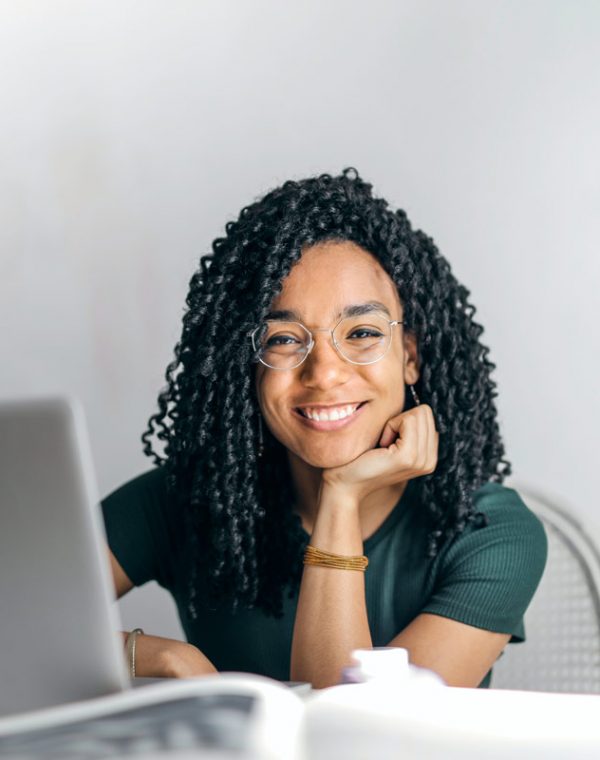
<point>411,359</point>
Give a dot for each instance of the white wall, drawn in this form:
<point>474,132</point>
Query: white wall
<point>130,132</point>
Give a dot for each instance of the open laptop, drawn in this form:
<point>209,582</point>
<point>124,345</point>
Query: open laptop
<point>59,628</point>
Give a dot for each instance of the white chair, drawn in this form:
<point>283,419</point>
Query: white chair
<point>562,624</point>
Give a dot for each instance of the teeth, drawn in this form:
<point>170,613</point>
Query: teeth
<point>336,413</point>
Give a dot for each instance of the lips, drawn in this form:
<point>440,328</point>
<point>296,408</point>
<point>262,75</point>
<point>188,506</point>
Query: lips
<point>327,413</point>
<point>329,417</point>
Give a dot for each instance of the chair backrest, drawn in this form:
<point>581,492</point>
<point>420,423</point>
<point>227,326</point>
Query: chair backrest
<point>562,624</point>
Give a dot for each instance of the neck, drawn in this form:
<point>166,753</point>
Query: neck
<point>373,509</point>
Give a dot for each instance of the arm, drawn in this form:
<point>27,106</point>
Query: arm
<point>122,582</point>
<point>156,656</point>
<point>326,633</point>
<point>461,654</point>
<point>331,617</point>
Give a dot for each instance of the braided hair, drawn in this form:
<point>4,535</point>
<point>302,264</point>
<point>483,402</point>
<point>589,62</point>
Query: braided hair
<point>242,537</point>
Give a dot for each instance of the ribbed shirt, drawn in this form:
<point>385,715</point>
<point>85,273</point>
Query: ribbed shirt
<point>484,576</point>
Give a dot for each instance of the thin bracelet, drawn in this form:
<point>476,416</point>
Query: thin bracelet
<point>131,650</point>
<point>314,556</point>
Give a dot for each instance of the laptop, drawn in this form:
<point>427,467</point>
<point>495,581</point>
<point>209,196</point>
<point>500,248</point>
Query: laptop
<point>64,687</point>
<point>59,627</point>
<point>59,639</point>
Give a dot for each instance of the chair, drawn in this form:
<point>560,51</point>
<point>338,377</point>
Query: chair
<point>562,625</point>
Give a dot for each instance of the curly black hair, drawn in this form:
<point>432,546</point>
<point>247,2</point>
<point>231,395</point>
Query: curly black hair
<point>241,532</point>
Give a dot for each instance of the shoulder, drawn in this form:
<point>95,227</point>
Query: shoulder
<point>487,574</point>
<point>513,541</point>
<point>139,506</point>
<point>148,485</point>
<point>140,528</point>
<point>507,513</point>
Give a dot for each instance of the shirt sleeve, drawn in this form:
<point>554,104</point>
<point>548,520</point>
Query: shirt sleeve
<point>487,576</point>
<point>137,528</point>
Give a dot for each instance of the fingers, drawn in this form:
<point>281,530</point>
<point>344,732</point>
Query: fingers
<point>428,453</point>
<point>390,431</point>
<point>430,450</point>
<point>414,438</point>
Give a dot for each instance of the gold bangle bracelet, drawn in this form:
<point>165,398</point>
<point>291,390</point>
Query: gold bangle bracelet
<point>314,556</point>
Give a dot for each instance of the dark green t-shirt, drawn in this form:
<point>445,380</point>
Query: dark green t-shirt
<point>484,577</point>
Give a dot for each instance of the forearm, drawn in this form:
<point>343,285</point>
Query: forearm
<point>331,618</point>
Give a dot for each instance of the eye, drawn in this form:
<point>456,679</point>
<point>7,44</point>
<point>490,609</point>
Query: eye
<point>281,340</point>
<point>364,332</point>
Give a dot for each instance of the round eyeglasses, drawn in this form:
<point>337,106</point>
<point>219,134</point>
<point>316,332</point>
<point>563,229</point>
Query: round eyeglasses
<point>359,340</point>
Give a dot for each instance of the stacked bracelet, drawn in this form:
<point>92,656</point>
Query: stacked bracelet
<point>314,556</point>
<point>131,650</point>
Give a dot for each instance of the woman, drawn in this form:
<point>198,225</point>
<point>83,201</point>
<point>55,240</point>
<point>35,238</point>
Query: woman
<point>330,390</point>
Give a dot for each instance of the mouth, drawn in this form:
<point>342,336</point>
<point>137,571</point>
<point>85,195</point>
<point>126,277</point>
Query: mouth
<point>333,417</point>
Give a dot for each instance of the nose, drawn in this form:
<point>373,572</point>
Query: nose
<point>324,368</point>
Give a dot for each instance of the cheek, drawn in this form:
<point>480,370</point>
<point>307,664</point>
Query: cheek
<point>388,382</point>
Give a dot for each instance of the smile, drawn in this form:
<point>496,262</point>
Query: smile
<point>329,417</point>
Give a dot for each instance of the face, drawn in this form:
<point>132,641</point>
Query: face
<point>300,405</point>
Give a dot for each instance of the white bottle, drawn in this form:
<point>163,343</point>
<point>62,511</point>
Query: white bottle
<point>387,665</point>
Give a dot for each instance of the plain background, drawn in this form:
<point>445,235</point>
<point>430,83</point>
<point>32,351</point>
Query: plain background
<point>131,132</point>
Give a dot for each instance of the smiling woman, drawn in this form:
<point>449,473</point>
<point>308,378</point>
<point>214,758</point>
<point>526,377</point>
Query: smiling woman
<point>332,469</point>
<point>358,360</point>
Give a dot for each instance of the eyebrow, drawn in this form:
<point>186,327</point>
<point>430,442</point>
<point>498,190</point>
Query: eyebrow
<point>354,310</point>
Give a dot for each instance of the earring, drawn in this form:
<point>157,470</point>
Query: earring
<point>261,442</point>
<point>414,395</point>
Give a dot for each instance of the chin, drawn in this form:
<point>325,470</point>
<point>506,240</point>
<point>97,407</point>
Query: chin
<point>326,460</point>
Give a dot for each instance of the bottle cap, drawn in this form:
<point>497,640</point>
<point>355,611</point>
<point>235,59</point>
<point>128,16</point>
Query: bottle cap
<point>382,662</point>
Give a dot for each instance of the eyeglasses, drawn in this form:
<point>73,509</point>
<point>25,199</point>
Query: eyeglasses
<point>363,339</point>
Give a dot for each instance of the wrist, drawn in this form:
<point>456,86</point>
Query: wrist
<point>335,495</point>
<point>337,527</point>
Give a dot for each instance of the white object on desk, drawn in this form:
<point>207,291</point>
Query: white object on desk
<point>364,721</point>
<point>228,715</point>
<point>388,664</point>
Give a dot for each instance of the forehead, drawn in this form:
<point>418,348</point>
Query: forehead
<point>331,276</point>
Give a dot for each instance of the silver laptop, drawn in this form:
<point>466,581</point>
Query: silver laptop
<point>59,639</point>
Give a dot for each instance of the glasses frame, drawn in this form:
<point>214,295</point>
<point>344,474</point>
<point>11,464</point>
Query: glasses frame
<point>257,358</point>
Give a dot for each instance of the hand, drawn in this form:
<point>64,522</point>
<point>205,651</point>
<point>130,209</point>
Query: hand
<point>158,657</point>
<point>408,448</point>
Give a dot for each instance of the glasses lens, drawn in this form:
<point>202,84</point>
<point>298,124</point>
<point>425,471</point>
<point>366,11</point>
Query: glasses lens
<point>363,340</point>
<point>281,345</point>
